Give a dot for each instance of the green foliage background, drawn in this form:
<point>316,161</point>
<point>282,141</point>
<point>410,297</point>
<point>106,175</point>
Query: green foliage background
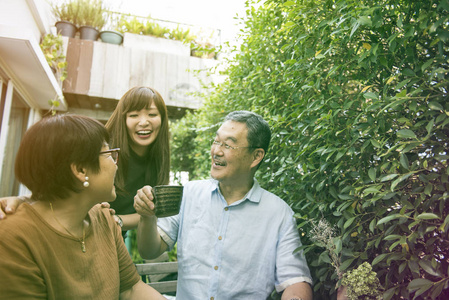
<point>356,94</point>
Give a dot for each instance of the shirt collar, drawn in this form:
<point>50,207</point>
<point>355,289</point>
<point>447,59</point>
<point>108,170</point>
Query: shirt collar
<point>254,194</point>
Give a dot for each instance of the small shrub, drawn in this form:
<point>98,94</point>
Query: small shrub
<point>362,283</point>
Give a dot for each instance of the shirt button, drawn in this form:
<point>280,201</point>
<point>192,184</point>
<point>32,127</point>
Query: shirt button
<point>226,208</point>
<point>220,238</point>
<point>216,267</point>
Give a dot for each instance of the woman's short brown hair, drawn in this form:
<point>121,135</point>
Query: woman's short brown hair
<point>49,147</point>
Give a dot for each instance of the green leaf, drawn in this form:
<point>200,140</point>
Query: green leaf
<point>375,143</point>
<point>372,224</point>
<point>338,245</point>
<point>428,189</point>
<point>408,72</point>
<point>430,126</point>
<point>389,218</point>
<point>399,180</point>
<point>388,294</point>
<point>348,222</point>
<point>394,245</point>
<point>372,174</point>
<point>426,64</point>
<point>289,24</point>
<point>346,263</point>
<point>426,266</point>
<point>365,21</point>
<point>435,106</point>
<point>427,216</point>
<point>419,283</point>
<point>438,288</point>
<point>445,224</point>
<point>345,197</point>
<point>379,258</point>
<point>389,177</point>
<point>401,94</point>
<point>406,133</point>
<point>325,257</point>
<point>392,237</point>
<point>371,95</point>
<point>404,161</point>
<point>413,266</point>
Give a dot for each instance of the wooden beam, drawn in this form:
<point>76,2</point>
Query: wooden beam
<point>157,268</point>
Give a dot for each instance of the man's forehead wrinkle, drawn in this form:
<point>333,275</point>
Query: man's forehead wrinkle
<point>226,138</point>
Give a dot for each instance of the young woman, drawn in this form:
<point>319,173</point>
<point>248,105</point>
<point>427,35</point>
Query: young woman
<point>139,127</point>
<point>61,245</point>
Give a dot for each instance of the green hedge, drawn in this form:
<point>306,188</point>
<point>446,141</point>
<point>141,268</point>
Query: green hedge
<point>356,94</point>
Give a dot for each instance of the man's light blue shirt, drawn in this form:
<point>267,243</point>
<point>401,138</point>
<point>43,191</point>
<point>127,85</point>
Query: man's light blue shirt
<point>238,251</point>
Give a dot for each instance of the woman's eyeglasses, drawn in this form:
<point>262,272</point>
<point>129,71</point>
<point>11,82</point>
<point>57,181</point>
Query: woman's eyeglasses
<point>113,153</point>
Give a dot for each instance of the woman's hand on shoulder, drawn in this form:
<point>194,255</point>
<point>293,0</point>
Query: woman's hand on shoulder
<point>107,205</point>
<point>143,201</point>
<point>116,218</point>
<point>8,205</point>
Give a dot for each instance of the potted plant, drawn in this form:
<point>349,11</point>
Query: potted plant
<point>92,16</point>
<point>67,15</point>
<point>113,35</point>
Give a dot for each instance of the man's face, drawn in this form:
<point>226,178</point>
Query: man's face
<point>231,165</point>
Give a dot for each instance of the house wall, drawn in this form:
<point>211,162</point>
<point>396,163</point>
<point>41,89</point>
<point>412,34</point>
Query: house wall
<point>32,15</point>
<point>22,24</point>
<point>105,71</point>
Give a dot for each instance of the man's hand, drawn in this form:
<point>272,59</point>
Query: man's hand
<point>8,205</point>
<point>143,201</point>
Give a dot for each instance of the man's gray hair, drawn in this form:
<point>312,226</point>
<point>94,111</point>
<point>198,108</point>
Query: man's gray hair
<point>259,132</point>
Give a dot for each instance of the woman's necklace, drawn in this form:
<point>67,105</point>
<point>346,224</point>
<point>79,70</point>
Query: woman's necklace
<point>83,244</point>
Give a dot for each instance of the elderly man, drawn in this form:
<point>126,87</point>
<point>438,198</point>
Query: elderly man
<point>235,239</point>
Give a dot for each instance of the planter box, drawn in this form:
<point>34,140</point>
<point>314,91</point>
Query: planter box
<point>154,44</point>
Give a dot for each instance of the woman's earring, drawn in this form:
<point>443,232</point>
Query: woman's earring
<point>86,182</point>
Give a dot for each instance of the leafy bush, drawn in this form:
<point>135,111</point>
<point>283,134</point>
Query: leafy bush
<point>356,94</point>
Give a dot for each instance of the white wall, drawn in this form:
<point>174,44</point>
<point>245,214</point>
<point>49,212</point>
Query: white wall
<point>30,15</point>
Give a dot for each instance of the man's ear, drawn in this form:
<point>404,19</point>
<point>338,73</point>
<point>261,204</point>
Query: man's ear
<point>258,156</point>
<point>79,172</point>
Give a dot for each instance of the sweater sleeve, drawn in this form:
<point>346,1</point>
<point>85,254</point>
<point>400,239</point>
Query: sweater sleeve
<point>128,272</point>
<point>21,277</point>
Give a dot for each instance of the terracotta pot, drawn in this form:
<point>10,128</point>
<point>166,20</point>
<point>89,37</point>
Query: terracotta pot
<point>66,28</point>
<point>88,33</point>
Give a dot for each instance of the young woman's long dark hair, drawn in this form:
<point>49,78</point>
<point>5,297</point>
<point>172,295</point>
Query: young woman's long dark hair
<point>158,154</point>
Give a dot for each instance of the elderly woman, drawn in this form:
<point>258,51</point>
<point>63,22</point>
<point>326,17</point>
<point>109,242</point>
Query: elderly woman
<point>61,245</point>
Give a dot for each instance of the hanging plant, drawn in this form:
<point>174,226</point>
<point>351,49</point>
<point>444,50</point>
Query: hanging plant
<point>52,47</point>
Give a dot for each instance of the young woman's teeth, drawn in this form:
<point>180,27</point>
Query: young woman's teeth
<point>142,132</point>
